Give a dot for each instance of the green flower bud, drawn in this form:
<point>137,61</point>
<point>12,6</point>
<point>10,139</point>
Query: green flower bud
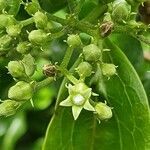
<point>3,4</point>
<point>13,30</point>
<point>16,69</point>
<point>29,64</point>
<point>38,37</point>
<point>121,11</point>
<point>6,20</point>
<point>103,111</point>
<point>21,91</point>
<point>85,38</point>
<point>74,40</point>
<point>84,69</point>
<point>9,107</point>
<point>40,20</point>
<point>32,8</point>
<point>5,42</point>
<point>108,69</point>
<point>23,47</point>
<point>92,53</point>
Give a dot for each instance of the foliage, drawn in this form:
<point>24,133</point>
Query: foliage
<point>82,66</point>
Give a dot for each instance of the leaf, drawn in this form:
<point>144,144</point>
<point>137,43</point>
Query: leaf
<point>14,132</point>
<point>52,6</point>
<point>132,49</point>
<point>129,129</point>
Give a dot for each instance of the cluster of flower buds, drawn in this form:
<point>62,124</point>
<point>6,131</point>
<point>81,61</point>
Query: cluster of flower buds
<point>22,64</point>
<point>80,95</point>
<point>23,90</point>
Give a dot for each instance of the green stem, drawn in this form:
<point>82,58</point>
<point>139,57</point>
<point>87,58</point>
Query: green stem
<point>56,19</point>
<point>62,87</point>
<point>44,83</point>
<point>56,35</point>
<point>67,57</point>
<point>27,22</point>
<point>143,39</point>
<point>72,5</point>
<point>68,75</point>
<point>79,7</point>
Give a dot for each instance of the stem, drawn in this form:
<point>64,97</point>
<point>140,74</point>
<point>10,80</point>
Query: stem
<point>62,87</point>
<point>27,21</point>
<point>67,57</point>
<point>56,19</point>
<point>68,75</point>
<point>78,7</point>
<point>44,83</point>
<point>143,39</point>
<point>56,35</point>
<point>72,5</point>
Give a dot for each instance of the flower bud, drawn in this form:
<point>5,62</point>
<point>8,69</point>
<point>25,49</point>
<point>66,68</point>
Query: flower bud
<point>21,91</point>
<point>74,40</point>
<point>5,20</point>
<point>29,64</point>
<point>108,69</point>
<point>5,42</point>
<point>38,37</point>
<point>103,111</point>
<point>49,70</point>
<point>16,69</point>
<point>23,47</point>
<point>40,20</point>
<point>32,8</point>
<point>121,11</point>
<point>13,30</point>
<point>92,53</point>
<point>3,4</point>
<point>84,69</point>
<point>9,107</point>
<point>85,38</point>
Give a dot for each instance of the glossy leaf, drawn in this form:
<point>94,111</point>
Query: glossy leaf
<point>129,129</point>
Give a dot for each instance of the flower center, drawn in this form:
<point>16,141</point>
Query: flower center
<point>78,100</point>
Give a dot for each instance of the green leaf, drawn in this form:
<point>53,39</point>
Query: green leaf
<point>131,47</point>
<point>15,131</point>
<point>52,6</point>
<point>129,129</point>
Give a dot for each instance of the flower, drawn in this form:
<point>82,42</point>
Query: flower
<point>79,96</point>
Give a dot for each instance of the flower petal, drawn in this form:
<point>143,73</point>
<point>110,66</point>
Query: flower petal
<point>76,111</point>
<point>88,106</point>
<point>87,93</point>
<point>66,102</point>
<point>70,89</point>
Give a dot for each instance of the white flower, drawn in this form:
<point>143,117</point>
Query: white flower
<point>79,96</point>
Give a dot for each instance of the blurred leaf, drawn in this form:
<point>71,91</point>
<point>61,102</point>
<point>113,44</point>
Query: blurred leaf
<point>38,144</point>
<point>44,98</point>
<point>129,129</point>
<point>87,7</point>
<point>52,6</point>
<point>15,131</point>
